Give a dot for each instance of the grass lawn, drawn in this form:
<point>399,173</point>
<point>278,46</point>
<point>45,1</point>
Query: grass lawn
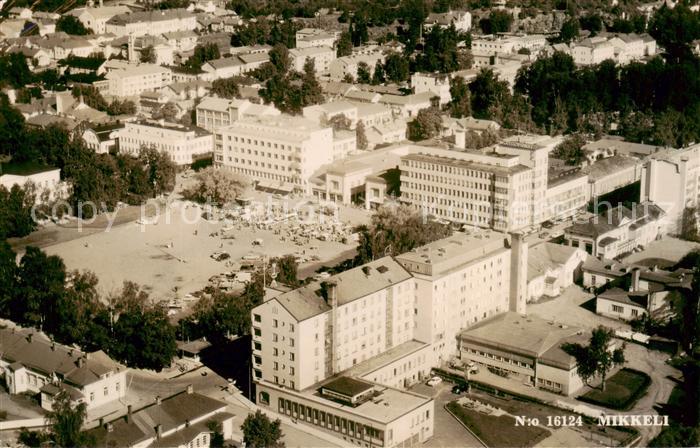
<point>622,390</point>
<point>498,431</point>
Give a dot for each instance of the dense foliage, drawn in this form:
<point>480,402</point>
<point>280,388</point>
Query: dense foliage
<point>261,432</point>
<point>40,293</point>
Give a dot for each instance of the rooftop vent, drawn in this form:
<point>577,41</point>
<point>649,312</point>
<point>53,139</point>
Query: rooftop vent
<point>382,269</point>
<point>366,269</point>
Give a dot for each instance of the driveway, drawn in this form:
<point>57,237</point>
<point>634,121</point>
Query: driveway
<point>447,432</point>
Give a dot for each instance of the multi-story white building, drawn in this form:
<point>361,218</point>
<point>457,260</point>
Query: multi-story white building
<point>462,20</point>
<point>315,37</point>
<point>30,362</point>
<point>214,113</point>
<point>436,83</point>
<point>43,181</point>
<point>347,65</point>
<point>233,66</point>
<point>671,180</point>
<point>322,56</point>
<point>593,50</point>
<point>134,80</point>
<point>491,44</point>
<point>617,231</point>
<point>182,143</point>
<point>96,18</point>
<point>503,187</point>
<point>284,149</point>
<point>377,327</point>
<point>155,22</point>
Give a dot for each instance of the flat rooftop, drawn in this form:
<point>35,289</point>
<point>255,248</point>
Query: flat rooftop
<point>348,386</point>
<point>386,406</point>
<point>529,336</point>
<point>385,358</point>
<point>461,247</point>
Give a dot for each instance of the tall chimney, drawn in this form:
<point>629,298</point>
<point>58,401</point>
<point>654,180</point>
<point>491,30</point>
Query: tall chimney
<point>518,273</point>
<point>128,413</point>
<point>159,431</point>
<point>634,284</point>
<point>333,298</point>
<point>460,139</point>
<point>190,389</point>
<point>158,400</point>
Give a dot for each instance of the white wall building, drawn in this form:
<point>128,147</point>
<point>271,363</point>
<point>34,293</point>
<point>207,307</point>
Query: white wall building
<point>30,362</point>
<point>322,56</point>
<point>45,181</point>
<point>436,83</point>
<point>314,37</point>
<point>155,22</point>
<point>283,149</point>
<point>96,18</point>
<point>134,80</point>
<point>552,268</point>
<point>183,144</point>
<point>462,20</point>
<point>671,180</point>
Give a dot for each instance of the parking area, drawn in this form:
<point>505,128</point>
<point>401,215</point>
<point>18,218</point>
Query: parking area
<point>448,432</point>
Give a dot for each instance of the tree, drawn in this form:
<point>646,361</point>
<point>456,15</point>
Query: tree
<point>143,336</point>
<point>569,30</point>
<point>65,423</point>
<point>280,60</point>
<point>287,270</point>
<point>260,432</point>
<point>167,112</point>
<point>571,150</point>
<point>15,71</point>
<point>487,92</point>
<point>497,22</point>
<point>11,127</point>
<point>217,436</point>
<point>690,230</point>
<point>202,54</point>
<point>378,77</point>
<point>42,279</point>
<point>363,73</point>
<point>121,107</point>
<point>76,310</point>
<point>218,186</point>
<point>460,105</point>
<point>340,122</point>
<point>344,45</point>
<point>596,358</point>
<point>8,278</point>
<point>396,68</point>
<point>160,170</point>
<point>225,87</point>
<point>311,92</point>
<point>16,212</point>
<point>361,135</point>
<point>395,230</point>
<point>148,55</point>
<point>427,124</point>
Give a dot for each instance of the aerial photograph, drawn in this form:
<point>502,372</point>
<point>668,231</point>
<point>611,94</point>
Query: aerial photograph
<point>349,223</point>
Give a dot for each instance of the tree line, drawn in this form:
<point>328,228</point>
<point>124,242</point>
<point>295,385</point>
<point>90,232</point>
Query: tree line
<point>41,293</point>
<point>102,179</point>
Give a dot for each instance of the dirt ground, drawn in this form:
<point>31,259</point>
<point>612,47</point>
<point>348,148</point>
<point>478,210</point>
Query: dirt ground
<point>172,258</point>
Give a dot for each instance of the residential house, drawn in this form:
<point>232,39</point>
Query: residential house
<point>462,20</point>
<point>96,18</point>
<point>617,231</point>
<point>31,362</point>
<point>183,420</point>
<point>551,268</point>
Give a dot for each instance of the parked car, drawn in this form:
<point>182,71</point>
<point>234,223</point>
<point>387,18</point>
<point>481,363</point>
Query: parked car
<point>220,256</point>
<point>434,381</point>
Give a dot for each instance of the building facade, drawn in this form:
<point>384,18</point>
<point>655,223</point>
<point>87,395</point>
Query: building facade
<point>282,149</point>
<point>182,143</point>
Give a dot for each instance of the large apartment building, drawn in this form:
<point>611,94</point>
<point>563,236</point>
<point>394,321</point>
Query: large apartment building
<point>182,143</point>
<point>503,187</point>
<point>671,180</point>
<point>134,80</point>
<point>378,329</point>
<point>214,113</point>
<point>154,22</point>
<point>284,150</point>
